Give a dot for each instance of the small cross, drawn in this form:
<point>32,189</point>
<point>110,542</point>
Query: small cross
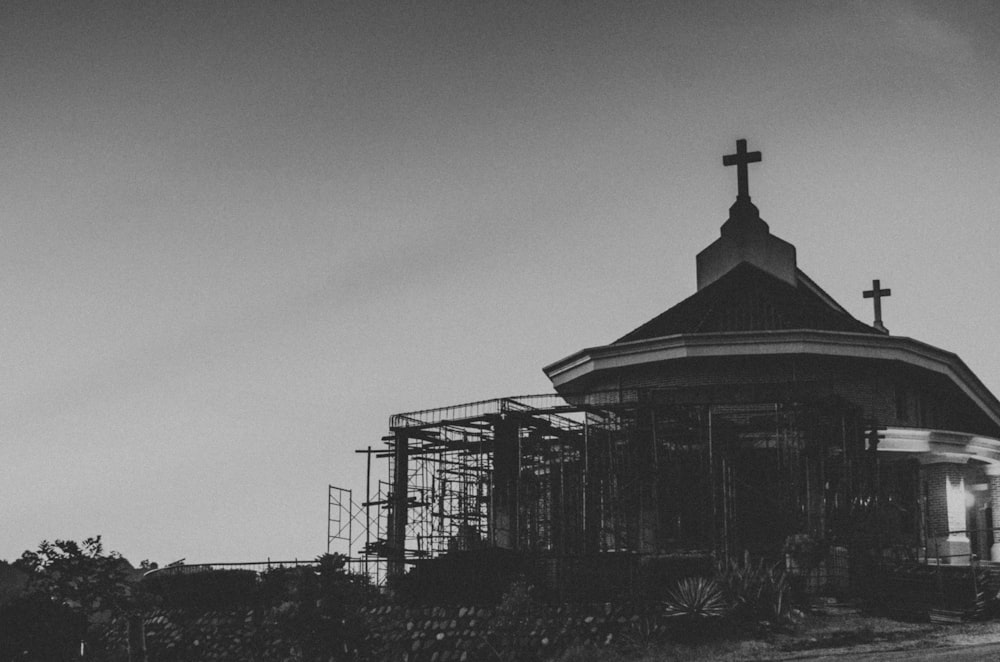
<point>740,159</point>
<point>877,294</point>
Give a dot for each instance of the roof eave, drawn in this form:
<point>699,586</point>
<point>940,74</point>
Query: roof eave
<point>785,342</point>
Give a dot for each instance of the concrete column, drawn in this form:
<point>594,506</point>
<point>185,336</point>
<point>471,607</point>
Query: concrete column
<point>506,478</point>
<point>946,507</point>
<point>993,476</point>
<point>399,505</point>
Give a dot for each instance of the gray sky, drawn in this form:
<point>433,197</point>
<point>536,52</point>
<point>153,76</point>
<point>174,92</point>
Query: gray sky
<point>236,237</point>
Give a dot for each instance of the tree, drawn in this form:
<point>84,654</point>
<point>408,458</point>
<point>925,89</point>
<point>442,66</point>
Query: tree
<point>320,608</point>
<point>70,587</point>
<point>82,578</point>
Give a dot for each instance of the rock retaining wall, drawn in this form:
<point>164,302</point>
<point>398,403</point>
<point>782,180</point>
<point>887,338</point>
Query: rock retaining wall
<point>390,632</point>
<point>459,634</point>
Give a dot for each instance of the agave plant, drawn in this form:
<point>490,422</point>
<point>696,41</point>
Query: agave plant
<point>695,598</point>
<point>756,589</point>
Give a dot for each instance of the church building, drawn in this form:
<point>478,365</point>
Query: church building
<point>757,415</point>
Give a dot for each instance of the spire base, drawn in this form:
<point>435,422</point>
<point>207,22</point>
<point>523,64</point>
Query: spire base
<point>746,238</point>
<point>744,217</point>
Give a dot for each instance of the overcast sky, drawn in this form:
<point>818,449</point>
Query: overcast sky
<point>238,236</point>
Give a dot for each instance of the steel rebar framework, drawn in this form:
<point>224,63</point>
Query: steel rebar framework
<point>617,472</point>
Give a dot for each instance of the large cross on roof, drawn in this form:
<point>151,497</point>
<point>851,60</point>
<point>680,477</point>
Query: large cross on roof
<point>877,293</point>
<point>741,159</point>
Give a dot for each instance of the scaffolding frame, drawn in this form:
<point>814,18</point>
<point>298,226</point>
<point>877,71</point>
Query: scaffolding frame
<point>341,514</point>
<point>628,471</point>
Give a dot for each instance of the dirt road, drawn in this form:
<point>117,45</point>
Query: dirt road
<point>974,653</point>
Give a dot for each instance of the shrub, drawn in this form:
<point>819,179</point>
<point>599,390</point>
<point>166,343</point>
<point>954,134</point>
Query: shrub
<point>322,609</point>
<point>459,578</point>
<point>695,598</point>
<point>758,591</point>
<point>204,590</point>
<point>35,627</point>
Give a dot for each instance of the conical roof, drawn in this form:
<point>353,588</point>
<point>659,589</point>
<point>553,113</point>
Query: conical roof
<point>748,298</point>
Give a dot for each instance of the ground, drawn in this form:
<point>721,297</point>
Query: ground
<point>836,637</point>
<point>866,637</point>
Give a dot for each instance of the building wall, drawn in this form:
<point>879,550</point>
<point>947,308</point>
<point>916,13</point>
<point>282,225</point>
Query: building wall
<point>887,393</point>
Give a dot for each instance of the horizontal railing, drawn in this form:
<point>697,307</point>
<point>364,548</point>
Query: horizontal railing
<point>354,565</point>
<point>933,546</point>
<point>477,409</point>
<point>552,404</point>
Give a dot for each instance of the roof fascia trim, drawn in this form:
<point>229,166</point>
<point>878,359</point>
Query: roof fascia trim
<point>772,343</point>
<point>939,442</point>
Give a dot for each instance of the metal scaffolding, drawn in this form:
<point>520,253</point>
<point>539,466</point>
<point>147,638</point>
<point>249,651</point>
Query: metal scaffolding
<point>620,472</point>
<point>346,526</point>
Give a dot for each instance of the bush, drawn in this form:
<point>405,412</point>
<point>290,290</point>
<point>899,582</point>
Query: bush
<point>659,574</point>
<point>71,591</point>
<point>757,591</point>
<point>34,627</point>
<point>205,590</point>
<point>696,598</point>
<point>469,577</point>
<point>322,611</point>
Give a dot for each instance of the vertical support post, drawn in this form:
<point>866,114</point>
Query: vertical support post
<point>647,468</point>
<point>400,503</point>
<point>821,482</point>
<point>368,511</point>
<point>947,507</point>
<point>136,639</point>
<point>506,472</point>
<point>718,489</point>
<point>587,508</point>
<point>488,464</point>
<point>993,476</point>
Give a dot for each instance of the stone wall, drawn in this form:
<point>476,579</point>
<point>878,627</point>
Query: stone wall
<point>392,632</point>
<point>177,635</point>
<point>459,634</point>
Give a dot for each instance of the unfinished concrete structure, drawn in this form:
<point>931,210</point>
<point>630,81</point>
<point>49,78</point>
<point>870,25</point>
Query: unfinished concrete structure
<point>756,415</point>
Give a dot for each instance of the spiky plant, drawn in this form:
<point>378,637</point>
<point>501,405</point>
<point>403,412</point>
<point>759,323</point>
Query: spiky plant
<point>695,598</point>
<point>756,590</point>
